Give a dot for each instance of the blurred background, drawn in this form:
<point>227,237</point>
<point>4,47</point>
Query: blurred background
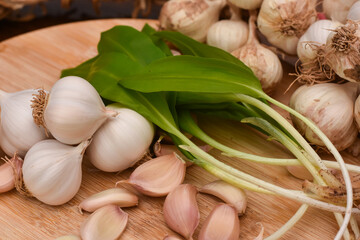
<point>20,16</point>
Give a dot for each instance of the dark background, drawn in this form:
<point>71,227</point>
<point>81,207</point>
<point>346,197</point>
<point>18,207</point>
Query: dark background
<point>78,10</point>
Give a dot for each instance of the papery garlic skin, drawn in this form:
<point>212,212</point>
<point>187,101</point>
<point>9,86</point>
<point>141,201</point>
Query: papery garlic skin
<point>331,107</point>
<point>19,132</point>
<point>316,35</point>
<point>354,12</point>
<point>283,22</point>
<point>263,62</point>
<point>221,224</point>
<point>74,110</point>
<point>357,112</point>
<point>106,223</point>
<point>228,34</point>
<point>337,10</point>
<point>52,171</point>
<point>190,17</point>
<point>247,4</point>
<point>121,141</point>
<point>181,212</point>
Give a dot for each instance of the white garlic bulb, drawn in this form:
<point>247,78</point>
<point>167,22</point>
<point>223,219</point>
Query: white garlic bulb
<point>331,107</point>
<point>283,22</point>
<point>190,17</point>
<point>342,51</point>
<point>121,141</point>
<point>19,132</point>
<point>263,62</point>
<point>337,10</point>
<point>247,4</point>
<point>315,36</point>
<point>228,34</point>
<point>354,12</point>
<point>52,171</point>
<point>73,110</point>
<point>357,112</point>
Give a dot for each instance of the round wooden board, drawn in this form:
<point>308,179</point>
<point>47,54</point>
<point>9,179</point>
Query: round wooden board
<point>35,60</point>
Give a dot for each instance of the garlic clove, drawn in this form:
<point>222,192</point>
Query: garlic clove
<point>228,193</point>
<point>68,237</point>
<point>181,212</point>
<point>10,173</point>
<point>158,176</point>
<point>190,17</point>
<point>299,172</point>
<point>354,12</point>
<point>106,223</point>
<point>171,237</point>
<point>247,4</point>
<point>52,171</point>
<point>221,224</point>
<point>19,132</point>
<point>121,141</point>
<point>117,196</point>
<point>72,112</point>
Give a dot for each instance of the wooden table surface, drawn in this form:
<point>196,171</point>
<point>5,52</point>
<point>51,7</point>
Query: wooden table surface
<point>35,60</point>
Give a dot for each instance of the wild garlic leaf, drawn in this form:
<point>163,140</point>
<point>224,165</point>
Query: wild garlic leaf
<point>81,70</point>
<point>150,32</point>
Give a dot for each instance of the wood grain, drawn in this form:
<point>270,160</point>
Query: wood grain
<point>35,60</point>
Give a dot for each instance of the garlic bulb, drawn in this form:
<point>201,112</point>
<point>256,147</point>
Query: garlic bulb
<point>337,10</point>
<point>354,12</point>
<point>342,51</point>
<point>190,17</point>
<point>52,171</point>
<point>121,141</point>
<point>283,22</point>
<point>331,107</point>
<point>73,110</point>
<point>357,112</point>
<point>263,62</point>
<point>19,132</point>
<point>247,4</point>
<point>315,36</point>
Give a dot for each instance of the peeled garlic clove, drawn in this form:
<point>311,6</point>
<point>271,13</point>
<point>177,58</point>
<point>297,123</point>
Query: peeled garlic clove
<point>121,141</point>
<point>181,211</point>
<point>342,51</point>
<point>354,12</point>
<point>19,132</point>
<point>106,223</point>
<point>73,110</point>
<point>315,36</point>
<point>299,172</point>
<point>52,171</point>
<point>337,10</point>
<point>228,34</point>
<point>263,62</point>
<point>158,176</point>
<point>222,224</point>
<point>247,4</point>
<point>331,107</point>
<point>190,17</point>
<point>117,196</point>
<point>68,237</point>
<point>10,172</point>
<point>284,22</point>
<point>228,193</point>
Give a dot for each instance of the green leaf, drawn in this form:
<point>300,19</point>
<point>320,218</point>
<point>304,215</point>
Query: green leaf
<point>189,46</point>
<point>81,70</point>
<point>194,74</point>
<point>149,31</point>
<point>129,41</point>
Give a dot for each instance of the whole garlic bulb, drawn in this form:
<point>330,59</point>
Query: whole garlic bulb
<point>337,10</point>
<point>19,132</point>
<point>316,35</point>
<point>342,51</point>
<point>73,110</point>
<point>190,17</point>
<point>121,141</point>
<point>247,4</point>
<point>354,12</point>
<point>262,61</point>
<point>331,107</point>
<point>357,112</point>
<point>52,171</point>
<point>283,22</point>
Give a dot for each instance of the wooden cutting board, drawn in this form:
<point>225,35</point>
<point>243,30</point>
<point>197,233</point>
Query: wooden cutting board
<point>35,60</point>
